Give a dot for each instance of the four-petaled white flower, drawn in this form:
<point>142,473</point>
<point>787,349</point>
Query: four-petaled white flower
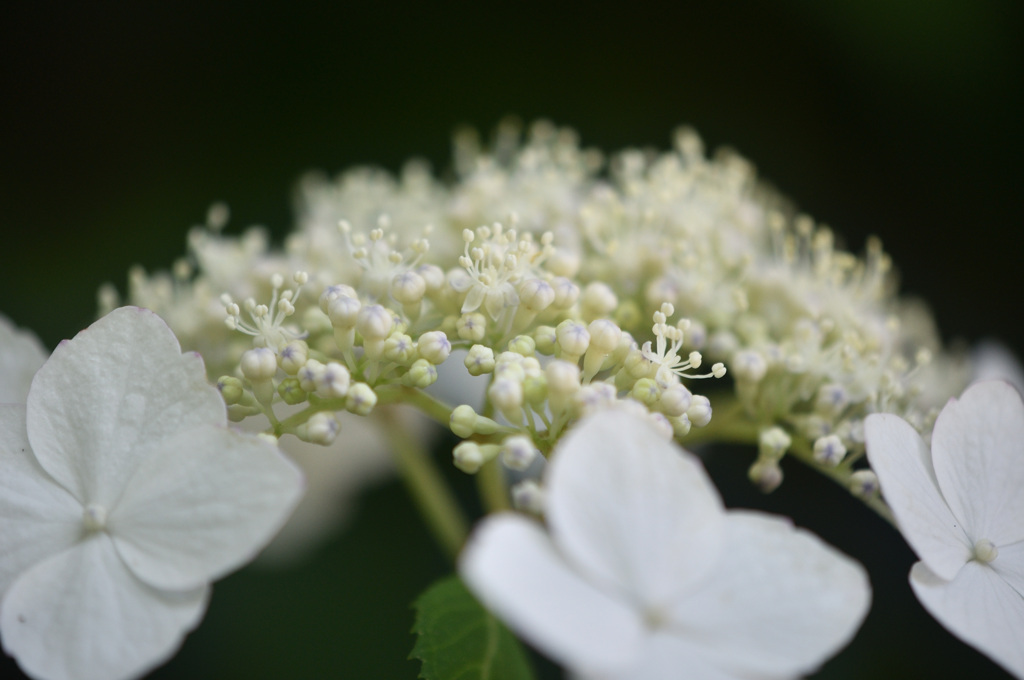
<point>123,493</point>
<point>961,508</point>
<point>643,574</point>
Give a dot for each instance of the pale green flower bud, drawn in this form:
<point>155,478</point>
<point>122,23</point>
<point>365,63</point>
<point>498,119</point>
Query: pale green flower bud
<point>408,288</point>
<point>479,360</point>
<point>507,396</point>
<point>535,389</point>
<point>544,338</point>
<point>573,339</point>
<point>421,374</point>
<point>434,347</point>
<point>518,452</point>
<point>293,356</point>
<point>566,293</point>
<point>332,381</point>
<point>471,327</point>
<point>259,364</point>
<point>231,389</point>
<point>528,496</point>
<point>675,401</point>
<point>291,392</point>
<point>773,443</point>
<point>360,399</point>
<point>399,348</point>
<point>470,456</point>
<point>309,374</point>
<point>829,450</point>
<point>536,295</point>
<point>332,293</point>
<point>766,475</point>
<point>646,391</point>
<point>864,484</point>
<point>523,344</point>
<point>699,412</point>
<point>598,300</point>
<point>465,422</point>
<point>321,428</point>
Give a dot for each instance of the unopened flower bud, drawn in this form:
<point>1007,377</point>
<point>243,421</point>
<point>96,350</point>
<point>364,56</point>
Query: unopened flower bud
<point>773,443</point>
<point>293,356</point>
<point>470,456</point>
<point>680,425</point>
<point>291,392</point>
<point>528,496</point>
<point>766,475</point>
<point>408,288</point>
<point>399,348</point>
<point>646,391</point>
<point>675,400</point>
<point>518,452</point>
<point>360,399</point>
<point>566,292</point>
<point>259,364</point>
<point>573,339</point>
<point>343,311</point>
<point>421,374</point>
<point>321,428</point>
<point>434,347</point>
<point>598,300</point>
<point>465,422</point>
<point>332,381</point>
<point>231,389</point>
<point>309,374</point>
<point>536,295</point>
<point>699,412</point>
<point>749,366</point>
<point>471,327</point>
<point>507,396</point>
<point>829,450</point>
<point>864,484</point>
<point>545,338</point>
<point>332,293</point>
<point>479,360</point>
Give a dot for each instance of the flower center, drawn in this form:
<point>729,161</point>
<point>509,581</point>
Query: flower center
<point>655,618</point>
<point>985,551</point>
<point>94,517</point>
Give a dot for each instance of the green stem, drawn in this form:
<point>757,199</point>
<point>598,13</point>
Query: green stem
<point>400,394</point>
<point>427,488</point>
<point>490,483</point>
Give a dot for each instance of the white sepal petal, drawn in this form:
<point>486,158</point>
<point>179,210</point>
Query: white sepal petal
<point>1010,565</point>
<point>103,398</point>
<point>664,656</point>
<point>515,570</point>
<point>81,615</point>
<point>38,517</point>
<point>647,525</point>
<point>202,505</point>
<point>979,607</point>
<point>21,355</point>
<point>779,603</point>
<point>903,464</point>
<point>978,454</point>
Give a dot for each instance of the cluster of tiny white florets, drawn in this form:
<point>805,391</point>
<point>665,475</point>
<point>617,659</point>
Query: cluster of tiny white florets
<point>552,305</point>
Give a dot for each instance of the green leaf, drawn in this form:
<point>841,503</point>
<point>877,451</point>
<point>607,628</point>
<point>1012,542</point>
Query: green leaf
<point>459,640</point>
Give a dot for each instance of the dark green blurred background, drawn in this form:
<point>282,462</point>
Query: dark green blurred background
<point>120,125</point>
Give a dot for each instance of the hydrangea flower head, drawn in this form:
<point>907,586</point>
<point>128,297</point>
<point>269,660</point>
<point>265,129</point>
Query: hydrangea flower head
<point>123,493</point>
<point>961,508</point>
<point>643,574</point>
